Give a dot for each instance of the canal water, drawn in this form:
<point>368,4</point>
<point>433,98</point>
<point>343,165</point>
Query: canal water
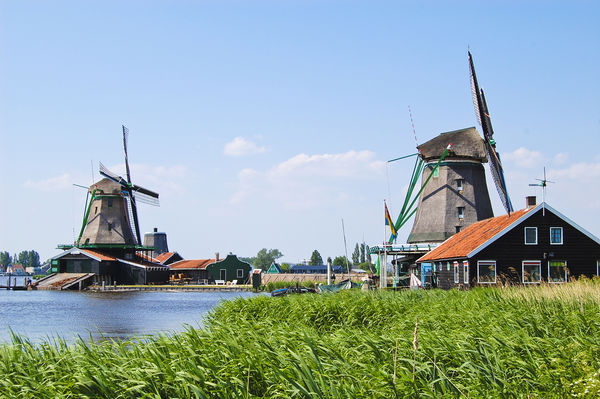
<point>44,315</point>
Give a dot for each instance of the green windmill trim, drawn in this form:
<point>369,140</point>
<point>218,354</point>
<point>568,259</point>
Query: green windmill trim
<point>408,211</point>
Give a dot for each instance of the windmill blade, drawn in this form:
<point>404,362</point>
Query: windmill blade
<point>132,213</point>
<point>498,176</point>
<point>146,199</point>
<point>475,91</point>
<point>112,176</point>
<point>125,137</point>
<point>487,120</point>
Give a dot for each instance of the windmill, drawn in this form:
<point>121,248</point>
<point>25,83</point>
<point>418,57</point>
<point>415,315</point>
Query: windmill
<point>116,198</point>
<point>542,183</point>
<point>483,117</point>
<point>457,195</point>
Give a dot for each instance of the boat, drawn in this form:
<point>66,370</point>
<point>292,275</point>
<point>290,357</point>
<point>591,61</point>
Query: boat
<point>342,285</point>
<point>292,290</point>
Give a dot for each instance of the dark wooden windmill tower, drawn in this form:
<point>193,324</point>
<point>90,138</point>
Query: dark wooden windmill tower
<point>111,218</point>
<point>454,192</point>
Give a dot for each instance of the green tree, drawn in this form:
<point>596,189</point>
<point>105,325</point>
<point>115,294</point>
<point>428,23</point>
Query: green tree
<point>356,255</point>
<point>285,267</point>
<point>5,259</point>
<point>341,261</point>
<point>316,259</point>
<point>362,253</point>
<point>28,258</point>
<point>265,257</point>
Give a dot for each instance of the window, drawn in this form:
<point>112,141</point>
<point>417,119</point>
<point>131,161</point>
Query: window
<point>530,235</point>
<point>532,271</point>
<point>486,272</point>
<point>557,271</point>
<point>556,235</point>
<point>95,210</point>
<point>459,184</point>
<point>598,268</point>
<point>456,271</point>
<point>240,273</point>
<point>448,266</point>
<point>458,229</point>
<point>466,272</point>
<point>461,212</point>
<point>436,172</point>
<point>223,274</point>
<point>110,201</point>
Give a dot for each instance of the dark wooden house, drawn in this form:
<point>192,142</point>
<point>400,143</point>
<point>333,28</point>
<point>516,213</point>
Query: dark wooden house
<point>530,246</point>
<point>110,267</point>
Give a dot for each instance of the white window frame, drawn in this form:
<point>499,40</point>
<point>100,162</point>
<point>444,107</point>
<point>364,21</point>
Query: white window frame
<point>561,236</point>
<point>240,273</point>
<point>448,266</point>
<point>539,263</point>
<point>557,282</point>
<point>525,236</point>
<point>466,272</point>
<point>488,262</point>
<point>461,212</point>
<point>456,273</point>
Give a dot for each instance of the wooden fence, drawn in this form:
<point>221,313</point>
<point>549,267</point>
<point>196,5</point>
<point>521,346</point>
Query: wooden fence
<point>301,277</point>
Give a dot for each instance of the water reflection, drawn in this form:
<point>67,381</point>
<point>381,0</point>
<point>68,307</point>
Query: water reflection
<point>40,315</point>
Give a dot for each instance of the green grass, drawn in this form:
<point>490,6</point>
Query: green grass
<point>533,342</point>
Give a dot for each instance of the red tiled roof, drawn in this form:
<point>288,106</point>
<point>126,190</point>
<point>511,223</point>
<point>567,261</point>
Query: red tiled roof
<point>192,264</point>
<point>164,256</point>
<point>472,237</point>
<point>98,255</point>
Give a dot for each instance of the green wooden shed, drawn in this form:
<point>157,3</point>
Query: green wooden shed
<point>228,269</point>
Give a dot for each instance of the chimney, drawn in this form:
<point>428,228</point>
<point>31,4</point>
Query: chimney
<point>216,256</point>
<point>530,201</point>
<point>156,229</point>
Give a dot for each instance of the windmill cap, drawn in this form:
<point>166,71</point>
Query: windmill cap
<point>465,143</point>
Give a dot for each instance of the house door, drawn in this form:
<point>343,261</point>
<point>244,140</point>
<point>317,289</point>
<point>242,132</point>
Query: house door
<point>223,274</point>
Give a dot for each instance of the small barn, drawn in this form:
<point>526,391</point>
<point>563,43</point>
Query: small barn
<point>274,268</point>
<point>229,269</point>
<point>530,246</point>
<point>205,271</point>
<point>190,271</point>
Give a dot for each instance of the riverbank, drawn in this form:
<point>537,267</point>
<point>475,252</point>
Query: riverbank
<point>540,341</point>
<point>172,288</point>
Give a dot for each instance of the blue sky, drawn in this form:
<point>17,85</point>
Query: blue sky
<point>264,123</point>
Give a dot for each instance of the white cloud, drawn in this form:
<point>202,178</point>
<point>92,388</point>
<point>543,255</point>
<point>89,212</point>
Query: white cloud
<point>57,183</point>
<point>162,179</point>
<point>240,146</point>
<point>561,158</point>
<point>306,181</point>
<point>523,157</point>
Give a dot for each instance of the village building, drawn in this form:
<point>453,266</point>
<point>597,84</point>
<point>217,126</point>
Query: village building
<point>274,268</point>
<point>315,269</point>
<point>209,271</point>
<point>529,246</point>
<point>108,267</point>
